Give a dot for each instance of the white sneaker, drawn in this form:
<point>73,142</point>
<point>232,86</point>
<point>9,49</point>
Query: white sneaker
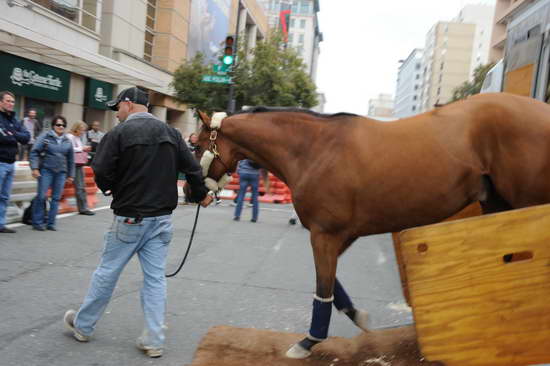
<point>68,319</point>
<point>149,351</point>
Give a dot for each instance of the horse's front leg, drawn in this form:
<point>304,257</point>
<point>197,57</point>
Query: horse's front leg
<point>325,253</point>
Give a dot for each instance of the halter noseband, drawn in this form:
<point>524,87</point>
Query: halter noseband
<point>212,153</point>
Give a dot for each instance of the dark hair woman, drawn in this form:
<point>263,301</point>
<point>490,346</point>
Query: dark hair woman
<point>52,163</point>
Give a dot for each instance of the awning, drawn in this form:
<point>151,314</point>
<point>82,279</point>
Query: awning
<point>24,42</point>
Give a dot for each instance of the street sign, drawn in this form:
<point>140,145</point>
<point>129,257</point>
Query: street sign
<point>221,79</point>
<point>221,69</point>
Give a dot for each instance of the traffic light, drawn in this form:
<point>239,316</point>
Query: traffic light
<point>228,58</point>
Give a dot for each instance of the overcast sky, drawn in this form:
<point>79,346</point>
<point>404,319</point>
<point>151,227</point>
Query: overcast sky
<point>365,39</point>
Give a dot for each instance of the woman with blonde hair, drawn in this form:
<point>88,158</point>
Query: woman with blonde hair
<point>77,130</point>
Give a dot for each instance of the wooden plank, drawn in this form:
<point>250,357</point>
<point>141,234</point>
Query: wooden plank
<point>480,288</point>
<point>519,81</point>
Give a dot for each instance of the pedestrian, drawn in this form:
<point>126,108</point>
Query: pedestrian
<point>52,163</point>
<point>34,127</point>
<point>11,133</point>
<point>249,175</point>
<point>94,136</point>
<point>138,162</point>
<point>193,142</point>
<point>78,129</point>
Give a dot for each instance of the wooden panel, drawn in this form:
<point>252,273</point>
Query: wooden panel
<point>477,296</point>
<point>470,211</point>
<point>519,81</point>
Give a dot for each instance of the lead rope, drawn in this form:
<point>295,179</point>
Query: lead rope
<point>188,245</point>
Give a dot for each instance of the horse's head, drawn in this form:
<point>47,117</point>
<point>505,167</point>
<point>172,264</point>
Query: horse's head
<point>216,153</point>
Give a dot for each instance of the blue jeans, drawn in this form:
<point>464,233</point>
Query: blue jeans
<point>6,179</point>
<point>245,180</point>
<point>56,181</point>
<point>149,239</point>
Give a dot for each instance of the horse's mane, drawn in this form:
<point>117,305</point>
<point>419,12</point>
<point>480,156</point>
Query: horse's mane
<point>262,109</point>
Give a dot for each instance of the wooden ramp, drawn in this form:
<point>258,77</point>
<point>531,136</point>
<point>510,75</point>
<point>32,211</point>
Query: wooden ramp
<point>230,346</point>
<point>480,288</point>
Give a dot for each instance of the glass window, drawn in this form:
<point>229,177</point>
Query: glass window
<point>301,39</point>
<point>292,22</point>
<point>150,30</point>
<point>290,37</point>
<point>304,7</point>
<point>294,8</point>
<point>83,12</point>
<point>302,23</point>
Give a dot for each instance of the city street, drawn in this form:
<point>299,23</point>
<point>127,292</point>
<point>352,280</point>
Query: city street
<point>256,275</point>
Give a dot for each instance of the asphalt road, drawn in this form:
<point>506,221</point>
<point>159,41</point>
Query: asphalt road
<point>242,274</point>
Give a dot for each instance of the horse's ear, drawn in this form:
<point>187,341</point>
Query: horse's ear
<point>204,118</point>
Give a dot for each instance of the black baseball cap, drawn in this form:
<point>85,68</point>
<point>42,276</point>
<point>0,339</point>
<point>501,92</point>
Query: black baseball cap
<point>133,94</point>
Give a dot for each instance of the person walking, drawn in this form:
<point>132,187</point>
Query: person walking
<point>249,175</point>
<point>52,163</point>
<point>11,133</point>
<point>34,127</point>
<point>138,162</point>
<point>80,159</point>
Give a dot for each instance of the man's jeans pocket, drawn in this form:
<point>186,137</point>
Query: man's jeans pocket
<point>128,233</point>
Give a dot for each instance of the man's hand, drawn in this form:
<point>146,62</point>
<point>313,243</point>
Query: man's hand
<point>35,173</point>
<point>70,179</point>
<point>207,200</point>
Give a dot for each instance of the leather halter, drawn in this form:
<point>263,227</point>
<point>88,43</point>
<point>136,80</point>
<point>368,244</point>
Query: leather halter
<point>213,148</point>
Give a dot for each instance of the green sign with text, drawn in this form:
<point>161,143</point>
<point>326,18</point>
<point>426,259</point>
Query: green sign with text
<point>216,79</point>
<point>97,93</point>
<point>33,79</point>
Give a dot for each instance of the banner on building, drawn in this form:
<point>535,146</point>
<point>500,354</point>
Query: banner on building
<point>209,26</point>
<point>284,20</point>
<point>33,79</point>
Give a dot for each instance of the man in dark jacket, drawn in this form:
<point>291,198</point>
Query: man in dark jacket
<point>138,162</point>
<point>11,133</point>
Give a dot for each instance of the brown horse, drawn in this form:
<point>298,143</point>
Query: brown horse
<point>352,176</point>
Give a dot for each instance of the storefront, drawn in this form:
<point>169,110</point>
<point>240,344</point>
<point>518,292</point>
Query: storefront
<point>97,93</point>
<point>35,85</point>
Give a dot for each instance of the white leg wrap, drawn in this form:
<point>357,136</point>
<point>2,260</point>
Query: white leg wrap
<point>328,299</point>
<point>297,352</point>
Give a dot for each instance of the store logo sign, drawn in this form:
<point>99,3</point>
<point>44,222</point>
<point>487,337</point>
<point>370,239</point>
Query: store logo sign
<point>99,96</point>
<point>22,77</point>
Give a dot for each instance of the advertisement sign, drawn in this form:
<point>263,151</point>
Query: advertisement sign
<point>209,26</point>
<point>33,79</point>
<point>97,93</point>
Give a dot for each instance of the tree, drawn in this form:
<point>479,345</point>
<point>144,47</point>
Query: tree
<point>468,88</point>
<point>270,76</point>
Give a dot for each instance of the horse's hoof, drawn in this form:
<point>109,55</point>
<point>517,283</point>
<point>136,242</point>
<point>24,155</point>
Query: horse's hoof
<point>298,352</point>
<point>362,320</point>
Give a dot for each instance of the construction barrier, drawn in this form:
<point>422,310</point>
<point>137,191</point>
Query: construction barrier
<point>68,199</point>
<point>278,191</point>
<point>22,192</point>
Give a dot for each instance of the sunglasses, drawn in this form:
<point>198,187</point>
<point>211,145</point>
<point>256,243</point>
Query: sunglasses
<point>60,125</point>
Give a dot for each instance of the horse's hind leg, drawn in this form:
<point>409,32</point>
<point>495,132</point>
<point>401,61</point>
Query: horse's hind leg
<point>325,253</point>
<point>343,303</point>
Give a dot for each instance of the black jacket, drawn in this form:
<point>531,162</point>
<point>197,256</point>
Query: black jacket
<point>139,160</point>
<point>11,132</point>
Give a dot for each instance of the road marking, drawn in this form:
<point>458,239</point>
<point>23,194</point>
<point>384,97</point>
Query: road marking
<point>11,226</point>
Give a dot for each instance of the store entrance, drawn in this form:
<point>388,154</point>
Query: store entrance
<point>45,111</point>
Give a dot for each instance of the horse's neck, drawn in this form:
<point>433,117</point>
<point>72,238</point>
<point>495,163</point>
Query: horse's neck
<point>270,143</point>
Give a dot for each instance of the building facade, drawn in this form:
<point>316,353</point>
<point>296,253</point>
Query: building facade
<point>409,85</point>
<point>505,10</point>
<point>69,56</point>
<point>304,34</point>
<point>381,107</point>
<point>482,16</point>
<point>447,58</point>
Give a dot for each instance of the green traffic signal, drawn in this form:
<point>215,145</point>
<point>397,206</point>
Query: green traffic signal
<point>228,59</point>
